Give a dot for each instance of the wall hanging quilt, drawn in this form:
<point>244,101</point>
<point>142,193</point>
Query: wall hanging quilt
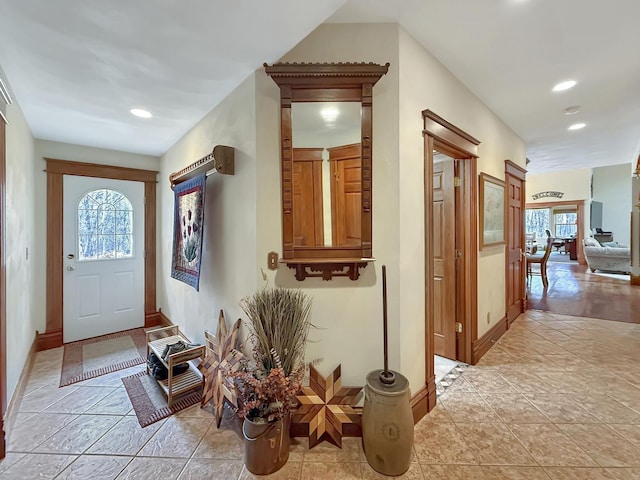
<point>187,230</point>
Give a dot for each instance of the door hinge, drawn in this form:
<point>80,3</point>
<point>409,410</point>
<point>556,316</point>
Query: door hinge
<point>458,327</point>
<point>457,181</point>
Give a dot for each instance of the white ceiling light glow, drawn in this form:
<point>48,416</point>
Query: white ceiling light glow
<point>329,114</point>
<point>139,112</point>
<point>562,86</point>
<point>577,126</point>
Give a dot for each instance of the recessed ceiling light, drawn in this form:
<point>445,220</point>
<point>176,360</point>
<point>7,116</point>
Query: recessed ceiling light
<point>138,112</point>
<point>577,126</point>
<point>566,85</point>
<point>572,110</point>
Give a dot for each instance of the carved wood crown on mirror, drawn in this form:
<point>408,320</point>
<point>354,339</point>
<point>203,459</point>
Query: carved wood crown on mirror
<point>326,205</point>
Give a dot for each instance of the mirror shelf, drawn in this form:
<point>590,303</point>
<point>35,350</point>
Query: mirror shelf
<point>326,178</point>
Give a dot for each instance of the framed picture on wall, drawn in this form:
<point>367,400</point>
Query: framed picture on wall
<point>492,211</point>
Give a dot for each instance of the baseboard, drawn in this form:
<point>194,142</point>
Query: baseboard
<point>14,402</point>
<point>48,340</point>
<point>164,320</point>
<point>423,401</point>
<point>484,343</point>
<point>635,280</point>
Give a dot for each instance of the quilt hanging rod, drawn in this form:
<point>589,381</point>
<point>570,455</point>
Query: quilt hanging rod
<point>220,160</point>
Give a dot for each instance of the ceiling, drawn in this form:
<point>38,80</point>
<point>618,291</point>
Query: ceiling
<point>77,67</point>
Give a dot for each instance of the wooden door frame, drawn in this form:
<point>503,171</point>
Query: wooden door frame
<point>516,171</point>
<point>3,287</point>
<point>579,204</point>
<point>56,169</point>
<point>451,140</point>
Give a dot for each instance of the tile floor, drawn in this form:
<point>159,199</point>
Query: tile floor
<point>557,397</point>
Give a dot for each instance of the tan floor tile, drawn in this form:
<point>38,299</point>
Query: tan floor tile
<point>441,443</point>
<point>515,408</point>
<point>630,432</point>
<point>176,438</point>
<point>78,435</point>
<point>624,473</point>
<point>221,443</point>
<point>607,409</point>
<point>524,381</point>
<point>550,446</point>
<point>351,451</point>
<point>331,471</point>
<point>578,474</point>
<point>561,408</point>
<point>494,444</point>
<point>290,471</point>
<point>79,400</point>
<point>116,403</point>
<point>127,437</point>
<point>604,445</point>
<point>413,473</point>
<point>9,460</point>
<point>153,469</point>
<point>208,469</point>
<point>514,473</point>
<point>43,398</point>
<point>453,472</point>
<point>94,467</point>
<point>37,466</point>
<point>469,407</point>
<point>488,382</point>
<point>36,430</point>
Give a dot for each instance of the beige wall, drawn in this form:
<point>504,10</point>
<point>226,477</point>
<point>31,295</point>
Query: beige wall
<point>635,234</point>
<point>245,221</point>
<point>22,299</point>
<point>229,268</point>
<point>426,84</point>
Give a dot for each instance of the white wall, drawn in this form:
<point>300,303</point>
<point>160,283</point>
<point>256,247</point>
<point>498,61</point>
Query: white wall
<point>229,269</point>
<point>612,187</point>
<point>426,84</point>
<point>22,299</point>
<point>77,153</point>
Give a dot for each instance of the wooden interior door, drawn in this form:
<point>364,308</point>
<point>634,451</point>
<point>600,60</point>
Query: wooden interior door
<point>308,226</point>
<point>444,257</point>
<point>346,195</point>
<point>515,229</point>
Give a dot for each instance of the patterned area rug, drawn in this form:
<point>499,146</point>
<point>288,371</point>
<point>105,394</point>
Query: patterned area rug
<point>149,401</point>
<point>101,355</point>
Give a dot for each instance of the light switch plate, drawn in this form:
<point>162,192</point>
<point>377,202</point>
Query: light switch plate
<point>272,260</point>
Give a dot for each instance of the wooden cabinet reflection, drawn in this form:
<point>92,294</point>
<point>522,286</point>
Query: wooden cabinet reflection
<point>344,193</point>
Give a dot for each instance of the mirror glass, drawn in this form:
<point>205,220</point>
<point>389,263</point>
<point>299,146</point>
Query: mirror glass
<point>327,195</point>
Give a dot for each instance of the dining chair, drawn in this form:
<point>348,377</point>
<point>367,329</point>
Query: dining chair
<point>542,261</point>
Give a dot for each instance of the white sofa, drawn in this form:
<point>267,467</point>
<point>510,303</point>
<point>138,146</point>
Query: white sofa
<point>609,258</point>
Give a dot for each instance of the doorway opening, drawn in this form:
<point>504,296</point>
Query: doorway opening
<point>450,245</point>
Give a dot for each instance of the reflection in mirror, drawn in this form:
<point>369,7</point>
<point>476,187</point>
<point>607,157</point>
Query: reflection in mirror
<point>327,194</point>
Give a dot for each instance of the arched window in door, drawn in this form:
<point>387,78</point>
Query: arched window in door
<point>105,226</point>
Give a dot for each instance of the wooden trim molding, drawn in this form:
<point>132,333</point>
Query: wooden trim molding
<point>423,401</point>
<point>635,280</point>
<point>56,169</point>
<point>14,403</point>
<point>483,344</point>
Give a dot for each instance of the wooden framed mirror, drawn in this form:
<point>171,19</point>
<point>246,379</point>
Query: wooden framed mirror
<point>326,160</point>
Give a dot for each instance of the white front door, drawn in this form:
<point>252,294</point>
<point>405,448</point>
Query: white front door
<point>103,255</point>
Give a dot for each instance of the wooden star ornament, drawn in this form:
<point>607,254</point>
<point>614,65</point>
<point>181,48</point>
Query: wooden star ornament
<point>326,410</point>
<point>222,356</point>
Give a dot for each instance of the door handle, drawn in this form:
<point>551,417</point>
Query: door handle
<point>70,268</point>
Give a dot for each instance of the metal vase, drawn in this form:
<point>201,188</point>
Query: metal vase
<point>266,445</point>
<point>387,424</point>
